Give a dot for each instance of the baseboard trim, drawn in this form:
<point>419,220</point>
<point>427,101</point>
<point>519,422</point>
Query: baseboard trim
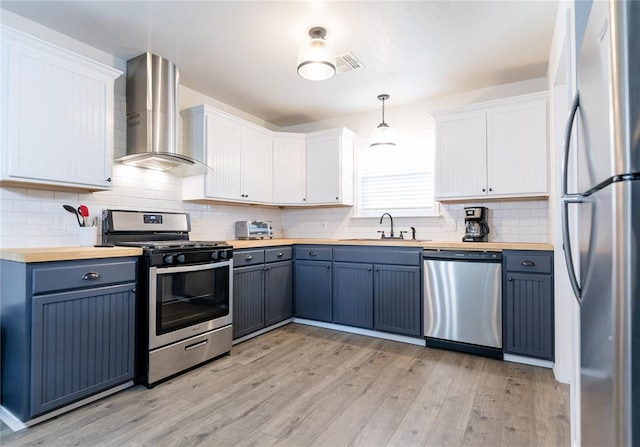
<point>16,424</point>
<point>528,361</point>
<point>361,331</point>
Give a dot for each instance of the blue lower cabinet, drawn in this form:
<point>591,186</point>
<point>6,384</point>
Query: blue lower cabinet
<point>262,289</point>
<point>397,299</point>
<point>278,288</point>
<point>528,303</point>
<point>353,294</point>
<point>312,293</point>
<point>65,338</point>
<point>83,343</point>
<point>248,300</point>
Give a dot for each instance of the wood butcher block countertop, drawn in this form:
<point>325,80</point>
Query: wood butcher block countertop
<point>430,245</point>
<point>47,254</point>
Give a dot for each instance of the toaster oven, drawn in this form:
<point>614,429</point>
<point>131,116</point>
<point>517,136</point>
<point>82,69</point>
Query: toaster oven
<point>254,230</point>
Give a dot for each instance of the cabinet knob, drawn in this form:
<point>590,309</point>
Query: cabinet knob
<point>377,269</point>
<point>313,253</point>
<point>490,189</point>
<point>337,198</point>
<point>527,263</point>
<point>484,190</point>
<point>91,276</point>
<point>108,179</point>
<point>328,266</point>
<point>248,258</point>
<point>369,269</point>
<point>280,254</point>
<point>509,278</point>
<point>304,199</point>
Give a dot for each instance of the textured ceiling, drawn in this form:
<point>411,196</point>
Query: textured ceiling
<point>244,53</point>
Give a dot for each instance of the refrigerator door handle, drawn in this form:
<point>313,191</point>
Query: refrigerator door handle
<point>566,244</point>
<point>569,199</point>
<point>575,105</point>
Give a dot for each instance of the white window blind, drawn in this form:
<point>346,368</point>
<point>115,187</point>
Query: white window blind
<point>399,180</point>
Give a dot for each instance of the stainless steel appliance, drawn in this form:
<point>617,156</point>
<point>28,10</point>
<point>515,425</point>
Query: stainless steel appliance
<point>475,224</point>
<point>254,230</point>
<point>463,301</point>
<point>185,291</point>
<point>607,112</point>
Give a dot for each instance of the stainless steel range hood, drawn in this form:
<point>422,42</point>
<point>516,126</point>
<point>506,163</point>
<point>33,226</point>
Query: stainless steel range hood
<point>152,114</point>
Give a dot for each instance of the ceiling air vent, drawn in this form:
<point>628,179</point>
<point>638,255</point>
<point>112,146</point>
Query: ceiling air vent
<point>348,62</point>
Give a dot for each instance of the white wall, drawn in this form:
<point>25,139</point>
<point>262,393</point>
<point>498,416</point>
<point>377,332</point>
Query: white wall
<point>28,216</point>
<point>562,86</point>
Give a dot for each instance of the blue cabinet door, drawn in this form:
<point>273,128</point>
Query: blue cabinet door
<point>353,294</point>
<point>529,315</point>
<point>312,286</point>
<point>82,343</point>
<point>278,301</point>
<point>397,299</point>
<point>248,300</point>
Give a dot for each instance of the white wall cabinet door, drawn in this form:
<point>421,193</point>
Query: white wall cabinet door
<point>461,155</point>
<point>57,115</point>
<point>517,149</point>
<point>257,167</point>
<point>329,167</point>
<point>289,169</point>
<point>224,154</point>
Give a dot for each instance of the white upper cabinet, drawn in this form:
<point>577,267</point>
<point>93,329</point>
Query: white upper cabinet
<point>493,150</point>
<point>289,180</point>
<point>239,153</point>
<point>57,115</point>
<point>251,164</point>
<point>329,167</point>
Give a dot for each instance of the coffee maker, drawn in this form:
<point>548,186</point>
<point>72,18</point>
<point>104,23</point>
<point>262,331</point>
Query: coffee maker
<point>475,223</point>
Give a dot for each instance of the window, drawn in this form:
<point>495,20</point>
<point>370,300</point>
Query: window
<point>398,180</point>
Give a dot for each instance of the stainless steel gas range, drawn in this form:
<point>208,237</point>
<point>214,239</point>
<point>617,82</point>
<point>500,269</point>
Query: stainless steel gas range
<point>185,291</point>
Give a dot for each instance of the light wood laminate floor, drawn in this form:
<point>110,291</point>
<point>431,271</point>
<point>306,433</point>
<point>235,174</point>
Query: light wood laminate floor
<point>305,386</point>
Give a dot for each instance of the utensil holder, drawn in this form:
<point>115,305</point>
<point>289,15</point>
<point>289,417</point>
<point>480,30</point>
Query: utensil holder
<point>88,236</point>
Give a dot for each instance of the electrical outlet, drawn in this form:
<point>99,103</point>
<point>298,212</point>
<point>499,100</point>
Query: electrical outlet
<point>450,225</point>
<point>59,223</point>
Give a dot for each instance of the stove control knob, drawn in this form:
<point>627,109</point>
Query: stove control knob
<point>223,254</point>
<point>168,259</point>
<point>180,258</point>
<point>214,255</point>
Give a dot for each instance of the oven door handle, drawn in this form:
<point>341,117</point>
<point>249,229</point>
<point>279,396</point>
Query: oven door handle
<point>190,268</point>
<point>196,345</point>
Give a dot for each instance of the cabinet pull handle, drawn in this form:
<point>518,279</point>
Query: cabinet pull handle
<point>527,263</point>
<point>248,258</point>
<point>509,278</point>
<point>313,253</point>
<point>280,254</point>
<point>90,276</point>
<point>328,266</point>
<point>196,345</point>
<point>369,269</point>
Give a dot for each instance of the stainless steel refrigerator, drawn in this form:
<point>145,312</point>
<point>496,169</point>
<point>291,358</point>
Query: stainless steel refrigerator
<point>606,122</point>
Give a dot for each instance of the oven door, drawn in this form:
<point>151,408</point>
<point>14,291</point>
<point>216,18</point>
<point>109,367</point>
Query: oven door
<point>188,300</point>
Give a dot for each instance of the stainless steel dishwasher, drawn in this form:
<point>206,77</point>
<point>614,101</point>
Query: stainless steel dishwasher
<point>463,301</point>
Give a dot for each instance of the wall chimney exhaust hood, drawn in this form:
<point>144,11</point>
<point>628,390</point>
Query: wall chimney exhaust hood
<point>152,115</point>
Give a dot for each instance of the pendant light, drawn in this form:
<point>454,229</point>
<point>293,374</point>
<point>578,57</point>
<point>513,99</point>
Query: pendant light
<point>317,58</point>
<point>383,135</point>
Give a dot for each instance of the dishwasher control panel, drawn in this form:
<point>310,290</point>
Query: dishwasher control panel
<point>467,255</point>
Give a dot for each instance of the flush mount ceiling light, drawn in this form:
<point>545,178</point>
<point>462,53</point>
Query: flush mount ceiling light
<point>317,59</point>
<point>383,135</point>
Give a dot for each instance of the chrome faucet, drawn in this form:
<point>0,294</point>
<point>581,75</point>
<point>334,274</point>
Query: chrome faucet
<point>391,219</point>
